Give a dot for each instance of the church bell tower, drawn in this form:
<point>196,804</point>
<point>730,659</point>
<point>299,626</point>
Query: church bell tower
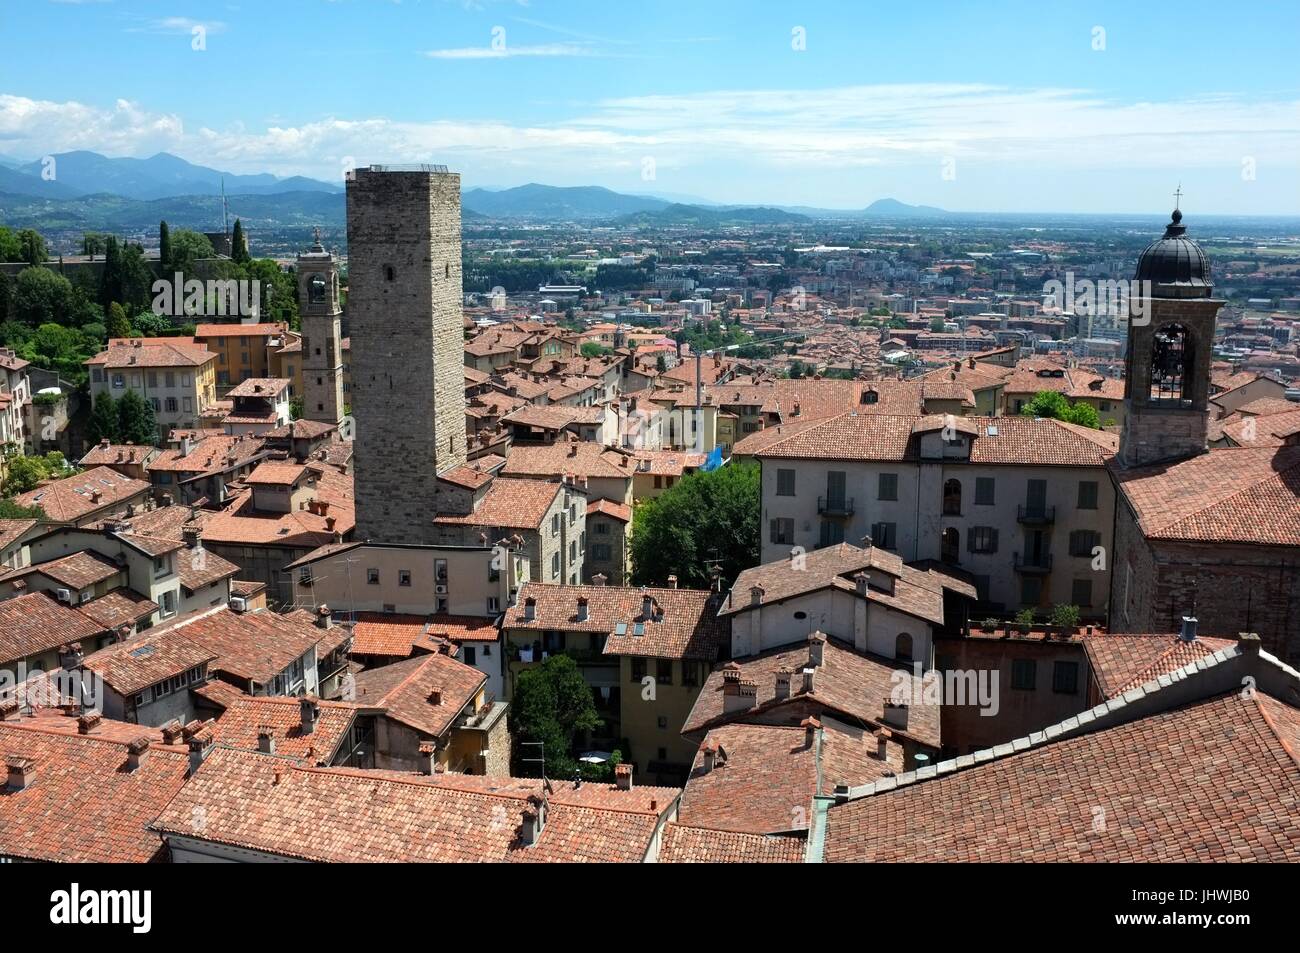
<point>322,346</point>
<point>1170,337</point>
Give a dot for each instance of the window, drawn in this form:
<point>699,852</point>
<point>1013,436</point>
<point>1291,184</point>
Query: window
<point>555,565</point>
<point>982,539</point>
<point>153,379</point>
<point>372,577</point>
<point>952,498</point>
<point>782,531</point>
<point>468,655</point>
<point>903,647</point>
<point>171,405</point>
<point>1083,541</point>
<point>1081,592</point>
<point>1171,363</point>
<point>187,404</point>
<point>555,524</point>
<point>1065,678</point>
<point>638,669</point>
<point>403,577</point>
<point>690,674</point>
<point>1024,674</point>
<point>493,607</point>
<point>664,671</point>
<point>602,529</point>
<point>884,535</point>
<point>662,722</point>
<point>170,378</point>
<point>1087,494</point>
<point>832,532</point>
<point>985,491</point>
<point>785,483</point>
<point>390,273</point>
<point>888,487</point>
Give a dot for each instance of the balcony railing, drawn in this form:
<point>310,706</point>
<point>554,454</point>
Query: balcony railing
<point>835,505</point>
<point>1039,515</point>
<point>1030,563</point>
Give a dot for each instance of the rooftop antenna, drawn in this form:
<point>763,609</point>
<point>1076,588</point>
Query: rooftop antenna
<point>225,209</point>
<point>546,783</point>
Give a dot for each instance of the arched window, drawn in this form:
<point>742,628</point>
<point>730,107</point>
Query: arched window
<point>903,647</point>
<point>316,289</point>
<point>952,498</point>
<point>1171,364</point>
<point>950,545</point>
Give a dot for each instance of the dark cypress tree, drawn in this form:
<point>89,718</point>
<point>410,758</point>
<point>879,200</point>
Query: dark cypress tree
<point>164,249</point>
<point>103,420</point>
<point>5,291</point>
<point>110,279</point>
<point>239,244</point>
<point>136,422</point>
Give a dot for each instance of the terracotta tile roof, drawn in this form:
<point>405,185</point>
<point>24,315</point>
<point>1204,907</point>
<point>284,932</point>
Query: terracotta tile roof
<point>468,475</point>
<point>107,454</point>
<point>117,608</point>
<point>301,429</point>
<point>389,633</point>
<point>260,387</point>
<point>545,417</point>
<point>405,691</point>
<point>642,799</point>
<point>619,511</point>
<point>34,623</point>
<point>12,530</point>
<point>852,684</point>
<point>667,462</point>
<point>147,659</point>
<point>1121,662</point>
<point>82,804</point>
<point>75,571</point>
<point>699,845</point>
<point>1021,441</point>
<point>687,628</point>
<point>210,454</point>
<point>245,716</point>
<point>579,457</point>
<point>337,815</point>
<point>1210,781</point>
<point>70,499</point>
<point>463,628</point>
<point>155,353</point>
<point>1267,406</point>
<point>232,330</point>
<point>63,722</point>
<point>276,474</point>
<point>765,776</point>
<point>1230,495</point>
<point>509,504</point>
<point>1269,430</point>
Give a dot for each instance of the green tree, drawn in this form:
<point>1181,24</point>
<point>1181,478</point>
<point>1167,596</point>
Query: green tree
<point>239,244</point>
<point>552,702</point>
<point>93,243</point>
<point>186,248</point>
<point>9,510</point>
<point>701,518</point>
<point>26,473</point>
<point>119,326</point>
<point>1052,404</point>
<point>136,279</point>
<point>164,248</point>
<point>103,420</point>
<point>937,325</point>
<point>592,349</point>
<point>33,247</point>
<point>136,422</point>
<point>11,249</point>
<point>40,296</point>
<point>110,278</point>
<point>6,291</point>
<point>661,363</point>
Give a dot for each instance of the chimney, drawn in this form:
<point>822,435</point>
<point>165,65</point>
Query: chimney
<point>672,582</point>
<point>329,524</point>
<point>599,579</point>
<point>816,649</point>
<point>88,722</point>
<point>710,753</point>
<point>582,608</point>
<point>623,776</point>
<point>756,595</point>
<point>191,537</point>
<point>71,656</point>
<point>1188,633</point>
<point>647,608</point>
<point>266,739</point>
<point>810,726</point>
<point>135,753</point>
<point>783,677</point>
<point>530,609</point>
<point>882,742</point>
<point>435,697</point>
<point>96,496</point>
<point>1248,643</point>
<point>428,758</point>
<point>573,449</point>
<point>323,618</point>
<point>860,581</point>
<point>738,695</point>
<point>198,752</point>
<point>309,713</point>
<point>809,680</point>
<point>172,732</point>
<point>534,820</point>
<point>9,710</point>
<point>22,772</point>
<point>896,714</point>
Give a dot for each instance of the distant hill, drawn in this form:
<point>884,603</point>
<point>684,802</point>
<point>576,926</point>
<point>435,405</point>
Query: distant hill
<point>162,176</point>
<point>892,208</point>
<point>557,202</point>
<point>677,214</point>
<point>20,183</point>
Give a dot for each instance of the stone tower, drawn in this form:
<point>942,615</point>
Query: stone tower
<point>322,347</point>
<point>1170,337</point>
<point>408,347</point>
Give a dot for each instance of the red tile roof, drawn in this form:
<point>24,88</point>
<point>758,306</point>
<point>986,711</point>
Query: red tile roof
<point>1121,662</point>
<point>34,623</point>
<point>426,693</point>
<point>698,845</point>
<point>70,499</point>
<point>1214,781</point>
<point>245,716</point>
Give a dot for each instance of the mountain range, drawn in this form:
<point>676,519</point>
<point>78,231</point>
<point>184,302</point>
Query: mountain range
<point>90,191</point>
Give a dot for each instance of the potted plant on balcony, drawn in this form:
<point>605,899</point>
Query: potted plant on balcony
<point>1025,621</point>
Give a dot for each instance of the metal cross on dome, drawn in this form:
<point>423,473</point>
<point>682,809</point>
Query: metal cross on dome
<point>1178,196</point>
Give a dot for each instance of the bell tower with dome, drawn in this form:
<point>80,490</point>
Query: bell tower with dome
<point>1170,337</point>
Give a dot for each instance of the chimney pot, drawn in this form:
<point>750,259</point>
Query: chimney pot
<point>623,776</point>
<point>530,609</point>
<point>428,757</point>
<point>135,753</point>
<point>266,739</point>
<point>22,771</point>
<point>810,728</point>
<point>882,742</point>
<point>324,620</point>
<point>672,582</point>
<point>582,608</point>
<point>783,678</point>
<point>88,722</point>
<point>1188,633</point>
<point>9,710</point>
<point>309,713</point>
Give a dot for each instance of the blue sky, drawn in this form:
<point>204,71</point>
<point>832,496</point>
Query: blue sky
<point>1001,106</point>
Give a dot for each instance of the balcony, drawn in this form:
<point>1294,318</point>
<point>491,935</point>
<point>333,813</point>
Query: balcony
<point>835,506</point>
<point>1036,515</point>
<point>1033,564</point>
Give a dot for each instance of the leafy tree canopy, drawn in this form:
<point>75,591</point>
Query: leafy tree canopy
<point>552,703</point>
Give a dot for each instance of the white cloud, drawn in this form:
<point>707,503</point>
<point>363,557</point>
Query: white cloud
<point>493,53</point>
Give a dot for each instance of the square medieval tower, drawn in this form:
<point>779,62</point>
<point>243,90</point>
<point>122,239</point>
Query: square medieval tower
<point>408,347</point>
